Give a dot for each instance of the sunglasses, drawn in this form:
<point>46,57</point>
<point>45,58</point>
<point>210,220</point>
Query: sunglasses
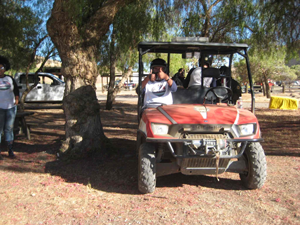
<point>2,68</point>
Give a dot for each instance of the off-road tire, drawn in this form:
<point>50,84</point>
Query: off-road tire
<point>257,166</point>
<point>146,168</point>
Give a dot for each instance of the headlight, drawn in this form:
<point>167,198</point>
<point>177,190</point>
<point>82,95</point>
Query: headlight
<point>246,129</point>
<point>160,129</point>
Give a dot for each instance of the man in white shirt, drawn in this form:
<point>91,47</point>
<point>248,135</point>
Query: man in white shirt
<point>158,85</point>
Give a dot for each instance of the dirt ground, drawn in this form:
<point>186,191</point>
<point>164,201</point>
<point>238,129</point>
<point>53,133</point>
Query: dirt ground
<point>36,188</point>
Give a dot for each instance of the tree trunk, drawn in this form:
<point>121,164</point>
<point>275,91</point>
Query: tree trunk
<point>207,12</point>
<point>112,89</point>
<point>24,95</point>
<point>84,132</point>
<point>29,88</point>
<point>110,92</point>
<point>118,88</point>
<point>77,49</point>
<point>267,87</point>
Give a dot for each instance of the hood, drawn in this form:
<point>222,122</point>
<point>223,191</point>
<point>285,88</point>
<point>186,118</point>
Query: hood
<point>196,114</point>
<point>200,114</point>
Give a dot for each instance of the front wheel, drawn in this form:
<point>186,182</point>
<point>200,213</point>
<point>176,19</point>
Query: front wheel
<point>256,163</point>
<point>146,168</point>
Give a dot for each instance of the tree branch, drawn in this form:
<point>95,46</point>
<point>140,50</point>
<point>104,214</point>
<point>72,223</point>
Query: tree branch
<point>32,56</point>
<point>214,4</point>
<point>100,22</point>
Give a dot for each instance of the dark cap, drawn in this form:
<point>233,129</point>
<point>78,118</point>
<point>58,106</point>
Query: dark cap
<point>158,62</point>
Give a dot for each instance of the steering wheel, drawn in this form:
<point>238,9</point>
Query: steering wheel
<point>155,104</point>
<point>220,92</point>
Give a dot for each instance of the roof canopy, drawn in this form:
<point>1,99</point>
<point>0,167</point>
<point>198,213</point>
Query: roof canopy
<point>183,47</point>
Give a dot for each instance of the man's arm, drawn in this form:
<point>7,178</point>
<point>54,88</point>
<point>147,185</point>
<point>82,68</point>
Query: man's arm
<point>150,77</point>
<point>145,81</point>
<point>16,100</point>
<point>173,88</point>
<point>162,75</point>
<point>169,80</point>
<point>16,91</point>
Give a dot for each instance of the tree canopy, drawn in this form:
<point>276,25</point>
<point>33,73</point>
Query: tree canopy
<point>19,27</point>
<point>23,26</point>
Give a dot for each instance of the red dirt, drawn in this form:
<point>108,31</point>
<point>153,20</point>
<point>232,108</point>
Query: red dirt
<point>36,188</point>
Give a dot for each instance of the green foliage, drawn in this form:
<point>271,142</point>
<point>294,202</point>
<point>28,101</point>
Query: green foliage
<point>280,22</point>
<point>162,16</point>
<point>177,62</point>
<point>19,28</point>
<point>296,70</point>
<point>145,20</point>
<point>221,21</point>
<point>131,24</point>
<point>269,65</point>
<point>276,23</point>
<point>240,72</point>
<point>81,11</point>
<point>23,26</point>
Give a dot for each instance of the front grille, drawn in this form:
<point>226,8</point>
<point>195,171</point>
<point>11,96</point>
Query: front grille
<point>204,162</point>
<point>204,136</point>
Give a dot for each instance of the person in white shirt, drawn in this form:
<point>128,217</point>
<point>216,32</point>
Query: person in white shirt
<point>9,98</point>
<point>158,85</point>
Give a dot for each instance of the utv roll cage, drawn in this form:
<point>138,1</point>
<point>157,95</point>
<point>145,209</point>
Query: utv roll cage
<point>186,47</point>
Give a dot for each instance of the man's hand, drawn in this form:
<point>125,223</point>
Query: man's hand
<point>157,72</point>
<point>161,74</point>
<point>152,77</point>
<point>16,100</point>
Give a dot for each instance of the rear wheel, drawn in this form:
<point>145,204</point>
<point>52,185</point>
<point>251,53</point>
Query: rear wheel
<point>146,168</point>
<point>257,166</point>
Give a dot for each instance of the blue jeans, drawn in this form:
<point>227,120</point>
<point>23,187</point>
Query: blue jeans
<point>7,120</point>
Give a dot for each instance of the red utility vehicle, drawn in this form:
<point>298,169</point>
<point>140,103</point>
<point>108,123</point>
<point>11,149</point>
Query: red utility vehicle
<point>202,132</point>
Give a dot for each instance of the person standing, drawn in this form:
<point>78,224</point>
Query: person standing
<point>9,98</point>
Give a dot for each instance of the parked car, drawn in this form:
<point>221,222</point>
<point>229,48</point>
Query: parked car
<point>49,88</point>
<point>116,83</point>
<point>129,86</point>
<point>202,132</point>
<point>257,88</point>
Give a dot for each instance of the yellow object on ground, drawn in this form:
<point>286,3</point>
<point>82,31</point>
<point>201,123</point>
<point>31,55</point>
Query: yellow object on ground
<point>283,103</point>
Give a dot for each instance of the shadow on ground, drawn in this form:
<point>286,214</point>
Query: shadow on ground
<point>118,174</point>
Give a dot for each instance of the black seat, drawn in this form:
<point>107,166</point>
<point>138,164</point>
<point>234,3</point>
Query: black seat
<point>211,72</point>
<point>193,95</point>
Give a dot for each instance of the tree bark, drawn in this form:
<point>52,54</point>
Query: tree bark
<point>266,85</point>
<point>29,88</point>
<point>207,8</point>
<point>77,50</point>
<point>111,96</point>
<point>111,86</point>
<point>112,89</point>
